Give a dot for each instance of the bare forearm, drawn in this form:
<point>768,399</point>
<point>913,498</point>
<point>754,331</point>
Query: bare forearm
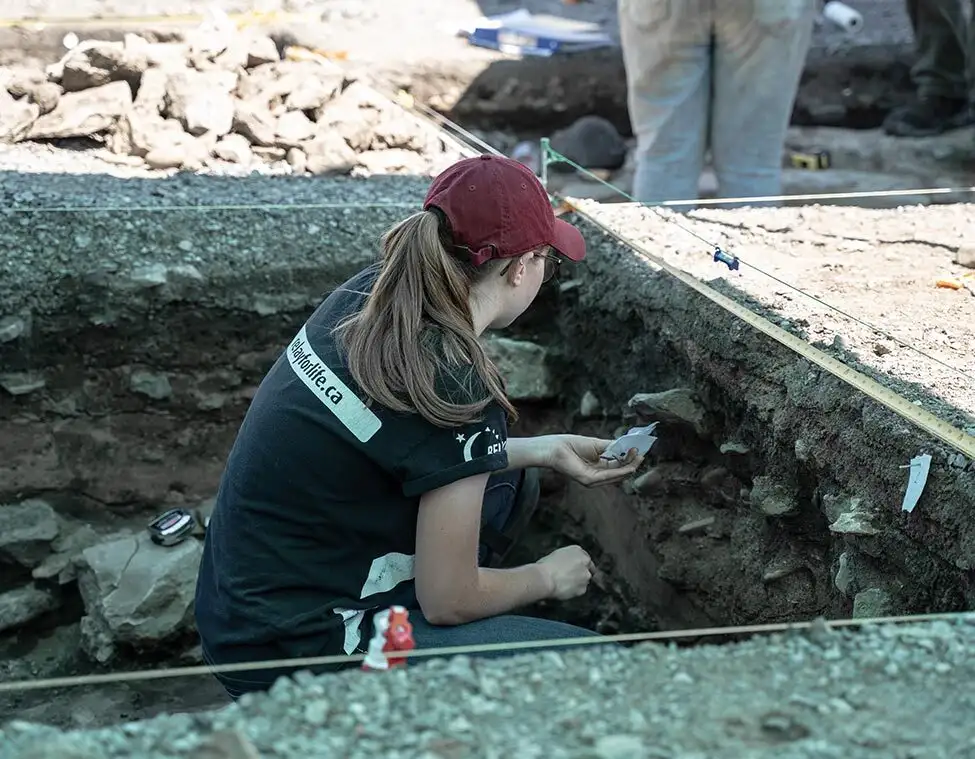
<point>525,452</point>
<point>498,591</point>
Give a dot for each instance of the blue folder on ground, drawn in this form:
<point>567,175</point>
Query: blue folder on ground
<point>522,33</point>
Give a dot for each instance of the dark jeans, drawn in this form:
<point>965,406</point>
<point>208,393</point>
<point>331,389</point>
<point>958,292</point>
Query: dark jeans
<point>945,43</point>
<point>500,496</point>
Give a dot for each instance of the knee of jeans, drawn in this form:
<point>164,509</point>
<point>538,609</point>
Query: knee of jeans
<point>509,477</point>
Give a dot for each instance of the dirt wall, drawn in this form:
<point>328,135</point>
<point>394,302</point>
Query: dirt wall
<point>138,336</point>
<point>775,490</point>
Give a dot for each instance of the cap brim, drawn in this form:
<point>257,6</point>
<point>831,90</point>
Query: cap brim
<point>568,241</point>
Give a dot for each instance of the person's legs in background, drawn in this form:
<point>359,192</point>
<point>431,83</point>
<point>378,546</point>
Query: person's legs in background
<point>759,56</point>
<point>943,39</point>
<point>667,54</point>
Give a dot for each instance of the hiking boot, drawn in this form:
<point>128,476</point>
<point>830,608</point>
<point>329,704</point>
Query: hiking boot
<point>927,116</point>
<point>496,545</point>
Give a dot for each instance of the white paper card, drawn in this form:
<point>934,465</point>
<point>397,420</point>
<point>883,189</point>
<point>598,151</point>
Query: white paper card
<point>641,438</point>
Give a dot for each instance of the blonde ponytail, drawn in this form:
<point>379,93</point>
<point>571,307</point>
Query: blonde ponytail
<point>416,329</point>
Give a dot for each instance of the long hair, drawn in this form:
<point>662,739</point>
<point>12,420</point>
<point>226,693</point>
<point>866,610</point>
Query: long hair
<point>416,330</point>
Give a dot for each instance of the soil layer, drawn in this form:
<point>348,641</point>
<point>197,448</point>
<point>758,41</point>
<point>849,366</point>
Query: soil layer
<point>775,489</point>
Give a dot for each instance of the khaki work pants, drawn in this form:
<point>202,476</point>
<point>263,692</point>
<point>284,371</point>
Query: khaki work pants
<point>712,75</point>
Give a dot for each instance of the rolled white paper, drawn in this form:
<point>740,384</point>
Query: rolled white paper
<point>843,16</point>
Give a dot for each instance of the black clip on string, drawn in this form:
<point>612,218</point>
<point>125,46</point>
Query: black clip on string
<point>721,257</point>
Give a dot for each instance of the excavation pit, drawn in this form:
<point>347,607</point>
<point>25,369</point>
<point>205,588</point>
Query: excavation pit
<point>132,341</point>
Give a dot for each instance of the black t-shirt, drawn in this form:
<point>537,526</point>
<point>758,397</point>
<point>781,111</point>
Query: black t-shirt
<point>315,518</point>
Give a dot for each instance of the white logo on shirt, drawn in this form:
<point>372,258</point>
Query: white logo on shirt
<point>330,390</point>
<point>496,446</point>
<point>385,573</point>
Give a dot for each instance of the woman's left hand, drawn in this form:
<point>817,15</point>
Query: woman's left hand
<point>577,457</point>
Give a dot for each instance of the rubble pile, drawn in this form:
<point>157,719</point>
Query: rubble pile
<point>134,593</point>
<point>219,96</point>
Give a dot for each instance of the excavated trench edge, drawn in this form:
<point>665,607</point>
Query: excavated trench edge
<point>772,494</point>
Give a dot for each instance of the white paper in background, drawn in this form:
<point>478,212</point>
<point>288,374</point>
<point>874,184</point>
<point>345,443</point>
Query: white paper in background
<point>491,22</point>
<point>845,17</point>
<point>919,466</point>
<point>641,438</point>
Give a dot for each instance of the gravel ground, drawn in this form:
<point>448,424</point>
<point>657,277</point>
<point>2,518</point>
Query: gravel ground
<point>891,692</point>
<point>879,266</point>
<point>42,250</point>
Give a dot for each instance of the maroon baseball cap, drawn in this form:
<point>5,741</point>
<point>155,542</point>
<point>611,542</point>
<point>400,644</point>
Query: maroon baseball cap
<point>497,208</point>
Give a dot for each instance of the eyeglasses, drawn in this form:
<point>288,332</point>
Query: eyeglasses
<point>552,264</point>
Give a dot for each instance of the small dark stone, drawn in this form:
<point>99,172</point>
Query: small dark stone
<point>592,142</point>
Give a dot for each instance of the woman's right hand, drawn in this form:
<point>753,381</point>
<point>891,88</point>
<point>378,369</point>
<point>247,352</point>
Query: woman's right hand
<point>568,571</point>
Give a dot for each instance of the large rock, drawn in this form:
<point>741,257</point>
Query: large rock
<point>138,133</point>
<point>680,404</point>
<point>291,85</point>
<point>261,50</point>
<point>254,121</point>
<point>592,142</point>
<point>17,117</point>
<point>158,55</point>
<point>61,565</point>
<point>93,64</point>
<point>353,115</point>
<point>202,102</point>
<point>82,114</point>
<point>152,92</point>
<point>229,48</point>
<point>313,92</point>
<point>774,498</point>
<point>393,161</point>
<point>143,128</point>
<point>136,593</point>
<point>293,128</point>
<point>399,131</point>
<point>31,84</point>
<point>329,154</point>
<point>27,530</point>
<point>524,366</point>
<point>234,148</point>
<point>23,605</point>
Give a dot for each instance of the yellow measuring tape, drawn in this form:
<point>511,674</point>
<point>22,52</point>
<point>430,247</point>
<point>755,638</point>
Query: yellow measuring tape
<point>939,428</point>
<point>242,20</point>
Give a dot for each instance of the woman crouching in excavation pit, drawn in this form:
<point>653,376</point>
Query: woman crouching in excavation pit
<point>373,467</point>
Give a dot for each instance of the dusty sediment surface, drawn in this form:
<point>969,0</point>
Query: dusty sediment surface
<point>897,692</point>
<point>811,267</point>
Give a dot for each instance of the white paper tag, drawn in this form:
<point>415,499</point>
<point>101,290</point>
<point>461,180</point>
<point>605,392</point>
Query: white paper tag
<point>641,438</point>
